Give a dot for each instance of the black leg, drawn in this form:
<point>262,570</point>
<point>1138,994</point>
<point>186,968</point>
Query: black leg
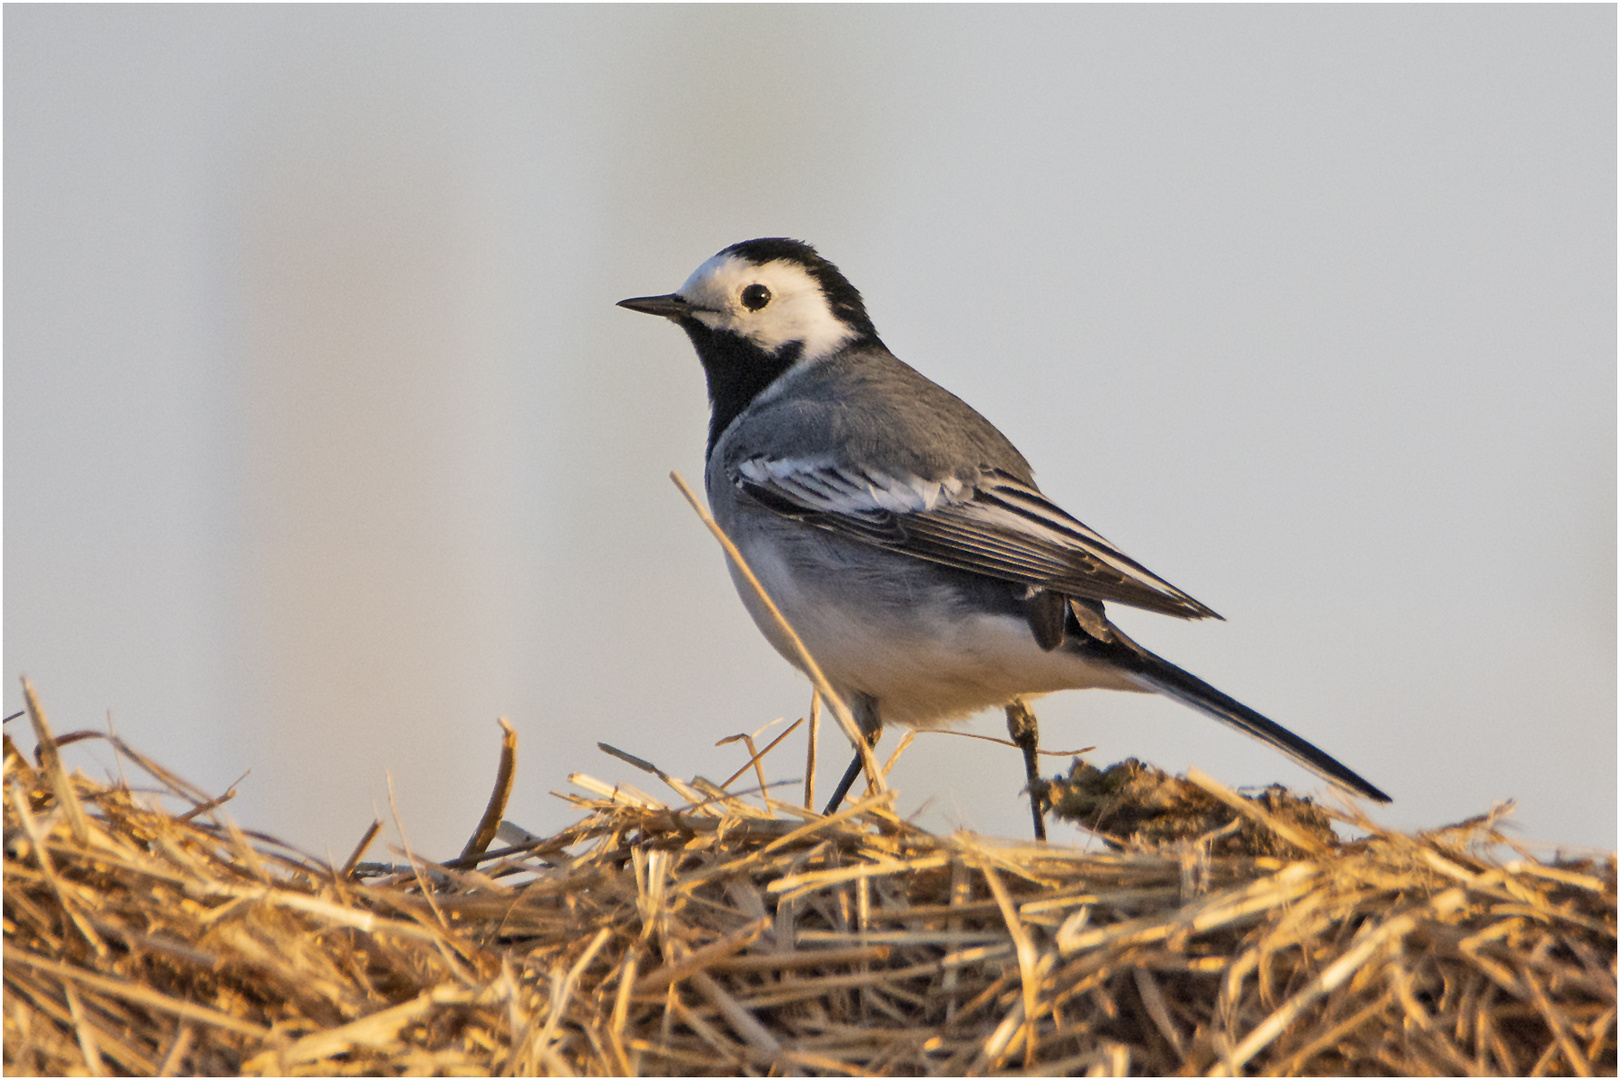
<point>1027,737</point>
<point>850,774</point>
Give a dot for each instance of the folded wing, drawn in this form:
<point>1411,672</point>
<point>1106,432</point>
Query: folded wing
<point>989,523</point>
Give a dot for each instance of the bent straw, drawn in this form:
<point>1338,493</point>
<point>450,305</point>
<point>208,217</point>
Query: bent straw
<point>840,711</point>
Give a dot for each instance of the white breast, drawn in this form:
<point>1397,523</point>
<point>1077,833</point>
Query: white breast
<point>925,660</point>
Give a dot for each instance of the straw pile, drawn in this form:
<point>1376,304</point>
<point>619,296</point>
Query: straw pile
<point>712,934</point>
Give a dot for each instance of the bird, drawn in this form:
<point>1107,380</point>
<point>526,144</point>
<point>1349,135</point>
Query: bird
<point>900,533</point>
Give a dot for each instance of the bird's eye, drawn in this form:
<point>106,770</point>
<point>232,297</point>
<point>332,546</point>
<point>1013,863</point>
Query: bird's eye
<point>755,297</point>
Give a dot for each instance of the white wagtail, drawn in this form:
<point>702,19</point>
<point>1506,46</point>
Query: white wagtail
<point>898,531</point>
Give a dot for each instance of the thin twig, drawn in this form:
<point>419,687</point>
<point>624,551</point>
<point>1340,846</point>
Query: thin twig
<point>756,755</point>
<point>810,750</point>
<point>490,823</point>
<point>60,784</point>
<point>359,851</point>
<point>1008,742</point>
<point>807,663</point>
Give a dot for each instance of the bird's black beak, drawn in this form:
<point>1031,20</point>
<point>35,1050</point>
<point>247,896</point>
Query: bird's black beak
<point>670,306</point>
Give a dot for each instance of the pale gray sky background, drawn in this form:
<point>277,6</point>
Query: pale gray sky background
<point>325,444</point>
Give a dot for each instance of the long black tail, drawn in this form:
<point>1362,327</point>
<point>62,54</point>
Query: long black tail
<point>1156,673</point>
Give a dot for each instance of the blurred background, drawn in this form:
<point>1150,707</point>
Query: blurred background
<point>325,444</point>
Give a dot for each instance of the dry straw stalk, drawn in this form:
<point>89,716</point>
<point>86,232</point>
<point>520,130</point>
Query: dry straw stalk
<point>145,934</point>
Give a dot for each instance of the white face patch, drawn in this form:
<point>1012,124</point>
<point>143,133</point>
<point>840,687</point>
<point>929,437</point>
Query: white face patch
<point>796,311</point>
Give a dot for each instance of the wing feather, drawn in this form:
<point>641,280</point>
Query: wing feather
<point>991,523</point>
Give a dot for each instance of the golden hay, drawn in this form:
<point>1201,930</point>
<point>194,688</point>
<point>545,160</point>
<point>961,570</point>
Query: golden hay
<point>719,937</point>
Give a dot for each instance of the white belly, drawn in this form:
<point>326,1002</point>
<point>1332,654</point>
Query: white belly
<point>925,660</point>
